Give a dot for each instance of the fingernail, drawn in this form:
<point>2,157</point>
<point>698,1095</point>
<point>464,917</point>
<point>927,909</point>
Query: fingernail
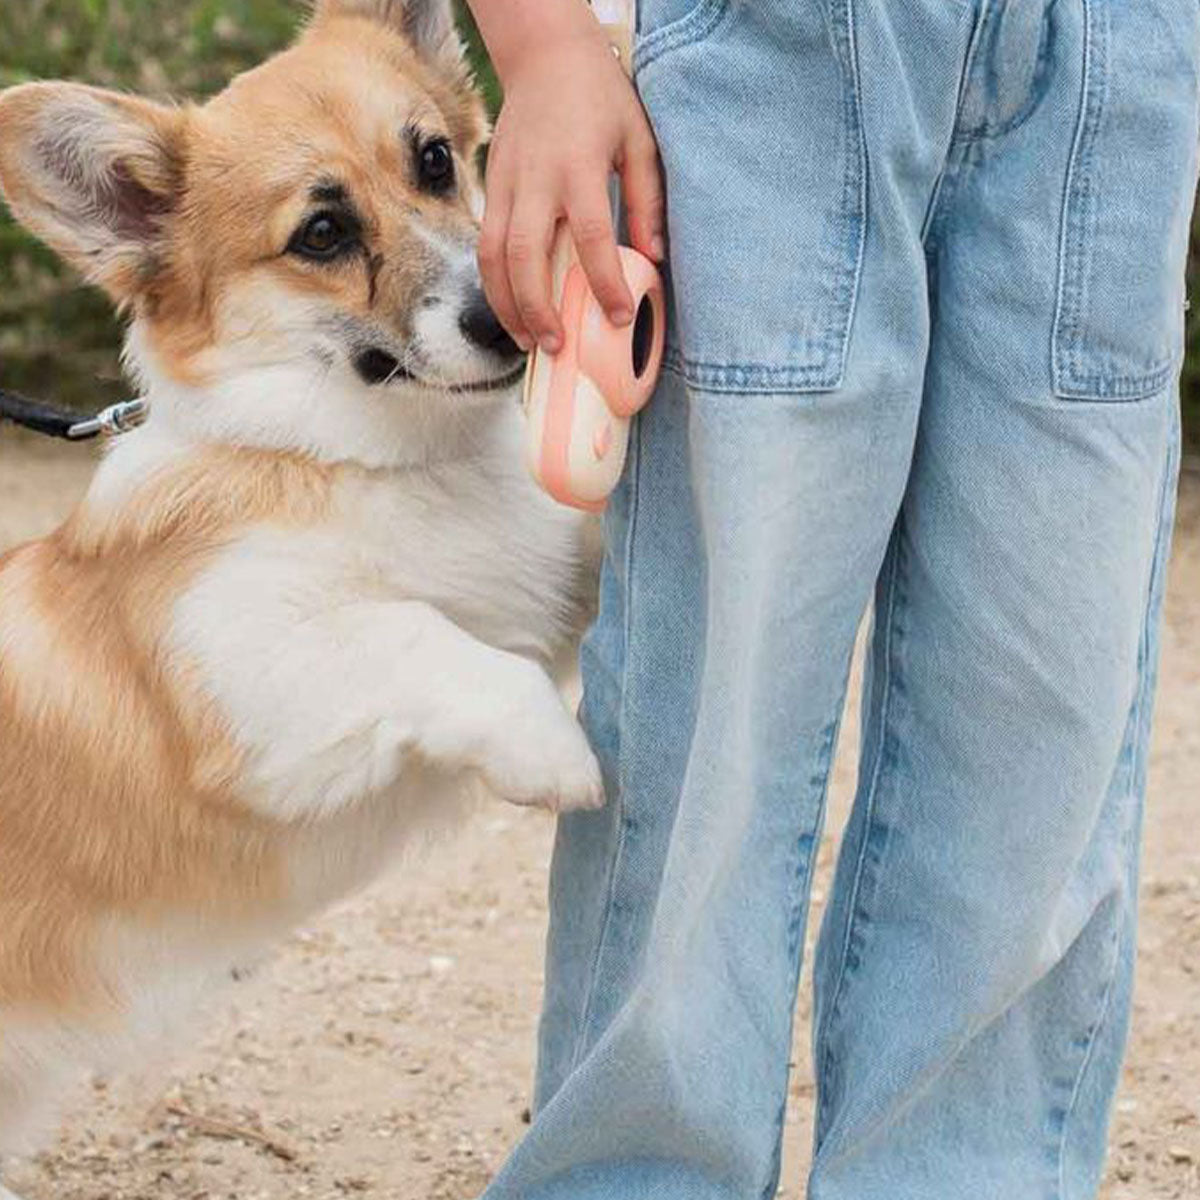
<point>523,340</point>
<point>621,316</point>
<point>551,343</point>
<point>657,247</point>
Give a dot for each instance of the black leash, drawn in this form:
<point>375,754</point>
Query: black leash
<point>63,423</point>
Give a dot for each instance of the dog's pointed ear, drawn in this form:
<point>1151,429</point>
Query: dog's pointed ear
<point>427,24</point>
<point>95,174</point>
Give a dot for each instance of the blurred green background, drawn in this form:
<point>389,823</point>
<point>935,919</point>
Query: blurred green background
<point>59,340</point>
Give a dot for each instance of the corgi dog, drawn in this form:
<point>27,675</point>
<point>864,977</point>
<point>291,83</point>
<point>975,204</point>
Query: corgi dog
<point>316,594</point>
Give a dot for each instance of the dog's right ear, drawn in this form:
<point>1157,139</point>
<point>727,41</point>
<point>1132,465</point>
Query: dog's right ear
<point>95,174</point>
<point>427,24</point>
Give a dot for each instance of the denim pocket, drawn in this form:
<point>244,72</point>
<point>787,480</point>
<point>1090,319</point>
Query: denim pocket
<point>662,24</point>
<point>758,116</point>
<point>1118,328</point>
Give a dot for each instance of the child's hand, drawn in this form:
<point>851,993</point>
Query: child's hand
<point>570,117</point>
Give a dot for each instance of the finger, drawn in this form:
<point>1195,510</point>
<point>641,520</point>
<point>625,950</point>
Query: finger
<point>642,188</point>
<point>527,252</point>
<point>590,221</point>
<point>493,262</point>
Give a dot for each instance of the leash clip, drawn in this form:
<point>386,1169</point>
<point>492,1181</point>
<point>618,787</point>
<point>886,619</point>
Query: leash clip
<point>111,421</point>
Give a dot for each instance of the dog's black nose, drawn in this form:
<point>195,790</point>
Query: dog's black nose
<point>481,327</point>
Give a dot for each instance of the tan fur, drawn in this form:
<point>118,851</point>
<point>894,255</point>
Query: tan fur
<point>91,711</point>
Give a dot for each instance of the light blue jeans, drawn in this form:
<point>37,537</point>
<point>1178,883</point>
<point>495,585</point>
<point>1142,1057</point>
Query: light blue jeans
<point>928,263</point>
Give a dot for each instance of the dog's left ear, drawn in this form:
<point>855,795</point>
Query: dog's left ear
<point>427,24</point>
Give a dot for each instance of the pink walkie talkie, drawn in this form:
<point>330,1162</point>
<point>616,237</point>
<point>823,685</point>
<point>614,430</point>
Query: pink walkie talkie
<point>579,402</point>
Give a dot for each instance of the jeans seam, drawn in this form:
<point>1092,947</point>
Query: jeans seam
<point>935,195</point>
<point>819,779</point>
<point>692,27</point>
<point>1071,238</point>
<point>868,818</point>
<point>747,378</point>
<point>1139,750</point>
<point>1072,377</point>
<point>985,131</point>
<point>585,1019</point>
<point>855,187</point>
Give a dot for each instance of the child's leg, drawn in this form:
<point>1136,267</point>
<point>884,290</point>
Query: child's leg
<point>743,547</point>
<point>975,969</point>
<point>749,530</point>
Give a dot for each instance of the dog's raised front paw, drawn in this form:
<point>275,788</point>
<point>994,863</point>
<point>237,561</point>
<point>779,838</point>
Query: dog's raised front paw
<point>542,758</point>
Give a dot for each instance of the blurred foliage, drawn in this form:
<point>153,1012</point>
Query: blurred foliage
<point>57,339</point>
<point>485,77</point>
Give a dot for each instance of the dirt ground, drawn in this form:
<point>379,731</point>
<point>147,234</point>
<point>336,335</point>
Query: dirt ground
<point>386,1051</point>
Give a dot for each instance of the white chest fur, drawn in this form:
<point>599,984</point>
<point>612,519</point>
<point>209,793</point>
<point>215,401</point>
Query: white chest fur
<point>474,539</point>
<point>397,631</point>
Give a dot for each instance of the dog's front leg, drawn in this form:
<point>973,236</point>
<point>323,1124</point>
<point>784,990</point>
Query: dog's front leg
<point>498,714</point>
<point>332,708</point>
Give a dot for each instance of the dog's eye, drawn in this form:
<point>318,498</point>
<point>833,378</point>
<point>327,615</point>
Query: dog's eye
<point>435,166</point>
<point>323,236</point>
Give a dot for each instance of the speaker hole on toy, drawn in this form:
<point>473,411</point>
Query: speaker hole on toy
<point>643,336</point>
